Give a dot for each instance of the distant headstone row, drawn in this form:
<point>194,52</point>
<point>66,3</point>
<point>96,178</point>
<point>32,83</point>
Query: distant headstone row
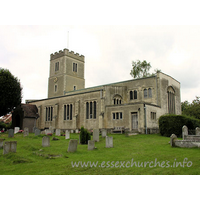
<point>11,146</point>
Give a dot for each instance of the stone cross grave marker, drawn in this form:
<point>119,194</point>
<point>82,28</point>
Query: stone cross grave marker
<point>104,133</point>
<point>16,130</point>
<point>37,132</point>
<point>1,143</point>
<point>91,144</point>
<point>67,134</point>
<point>184,131</point>
<point>57,132</point>
<point>10,133</point>
<point>197,131</point>
<point>109,142</point>
<point>9,146</point>
<point>96,135</point>
<point>46,141</point>
<point>72,145</point>
<point>26,131</point>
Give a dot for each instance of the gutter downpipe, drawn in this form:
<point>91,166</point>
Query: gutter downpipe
<point>145,119</point>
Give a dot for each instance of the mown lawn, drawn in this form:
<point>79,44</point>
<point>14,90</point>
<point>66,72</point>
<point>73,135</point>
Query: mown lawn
<point>152,154</point>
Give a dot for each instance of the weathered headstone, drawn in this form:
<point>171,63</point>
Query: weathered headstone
<point>67,134</point>
<point>47,131</point>
<point>77,130</point>
<point>104,133</point>
<point>1,143</point>
<point>91,144</point>
<point>57,132</point>
<point>96,135</point>
<point>72,145</point>
<point>51,128</point>
<point>37,132</point>
<point>10,133</point>
<point>109,142</point>
<point>26,131</point>
<point>16,130</point>
<point>173,138</point>
<point>197,131</point>
<point>9,146</point>
<point>72,131</point>
<point>45,141</point>
<point>184,131</point>
<point>34,129</point>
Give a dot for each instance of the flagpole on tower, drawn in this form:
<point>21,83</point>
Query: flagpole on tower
<point>68,40</point>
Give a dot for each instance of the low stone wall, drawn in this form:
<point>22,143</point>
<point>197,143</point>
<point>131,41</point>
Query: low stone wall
<point>194,138</point>
<point>186,144</point>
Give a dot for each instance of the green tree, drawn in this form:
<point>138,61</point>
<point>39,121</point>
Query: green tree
<point>10,90</point>
<point>141,69</point>
<point>191,109</point>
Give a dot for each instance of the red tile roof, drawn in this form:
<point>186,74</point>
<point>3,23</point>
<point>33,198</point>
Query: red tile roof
<point>6,119</point>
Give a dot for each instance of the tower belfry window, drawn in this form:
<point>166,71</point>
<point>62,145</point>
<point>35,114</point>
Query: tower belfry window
<point>57,66</point>
<point>74,67</point>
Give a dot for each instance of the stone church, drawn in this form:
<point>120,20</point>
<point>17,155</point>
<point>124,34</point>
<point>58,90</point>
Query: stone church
<point>134,104</point>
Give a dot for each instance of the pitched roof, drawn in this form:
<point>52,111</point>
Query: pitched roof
<point>6,118</point>
<point>30,110</point>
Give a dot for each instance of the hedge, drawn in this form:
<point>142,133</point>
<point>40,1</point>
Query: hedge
<point>84,136</point>
<point>172,124</point>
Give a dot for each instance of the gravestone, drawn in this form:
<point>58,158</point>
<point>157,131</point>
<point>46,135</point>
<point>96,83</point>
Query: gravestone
<point>46,141</point>
<point>67,134</point>
<point>197,131</point>
<point>51,129</point>
<point>10,133</point>
<point>184,131</point>
<point>91,144</point>
<point>109,142</point>
<point>26,131</point>
<point>72,131</point>
<point>37,132</point>
<point>173,138</point>
<point>9,146</point>
<point>96,135</point>
<point>47,131</point>
<point>57,132</point>
<point>72,145</point>
<point>104,133</point>
<point>16,130</point>
<point>77,130</point>
<point>1,143</point>
<point>34,128</point>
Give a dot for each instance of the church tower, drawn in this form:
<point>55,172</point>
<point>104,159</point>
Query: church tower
<point>66,73</point>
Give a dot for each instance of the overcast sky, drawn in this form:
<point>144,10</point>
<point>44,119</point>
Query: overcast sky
<point>109,51</point>
<point>140,30</point>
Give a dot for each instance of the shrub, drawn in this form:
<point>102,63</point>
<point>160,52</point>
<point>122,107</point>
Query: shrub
<point>172,124</point>
<point>84,136</point>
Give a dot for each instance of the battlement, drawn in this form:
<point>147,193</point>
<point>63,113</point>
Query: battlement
<point>68,53</point>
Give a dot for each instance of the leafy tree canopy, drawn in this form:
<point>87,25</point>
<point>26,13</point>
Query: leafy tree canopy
<point>141,69</point>
<point>10,90</point>
<point>191,109</point>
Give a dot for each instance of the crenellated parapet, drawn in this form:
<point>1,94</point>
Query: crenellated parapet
<point>66,52</point>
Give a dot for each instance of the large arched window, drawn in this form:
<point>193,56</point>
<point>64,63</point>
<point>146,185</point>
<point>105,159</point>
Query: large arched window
<point>171,100</point>
<point>91,110</point>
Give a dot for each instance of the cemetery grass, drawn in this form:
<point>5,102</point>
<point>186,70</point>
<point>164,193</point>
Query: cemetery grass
<point>33,159</point>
